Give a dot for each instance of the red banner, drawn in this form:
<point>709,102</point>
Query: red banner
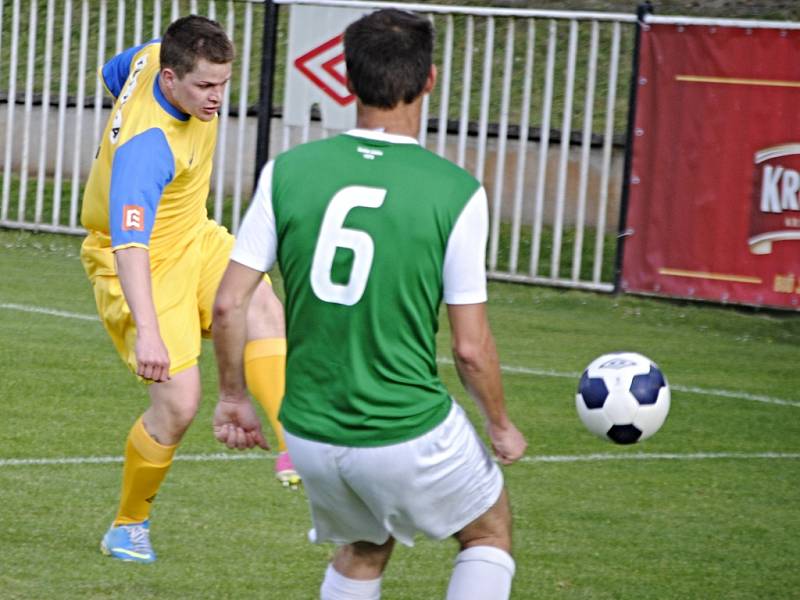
<point>713,207</point>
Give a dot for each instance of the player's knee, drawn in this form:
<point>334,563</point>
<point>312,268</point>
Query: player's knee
<point>185,414</point>
<point>179,415</point>
<point>363,560</point>
<point>498,536</point>
<point>492,528</point>
<point>167,423</point>
<point>375,555</point>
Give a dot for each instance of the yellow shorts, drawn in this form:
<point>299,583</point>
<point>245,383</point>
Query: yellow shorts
<point>184,288</point>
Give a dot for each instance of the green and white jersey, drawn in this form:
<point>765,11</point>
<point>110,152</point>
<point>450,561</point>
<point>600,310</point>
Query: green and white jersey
<point>372,232</point>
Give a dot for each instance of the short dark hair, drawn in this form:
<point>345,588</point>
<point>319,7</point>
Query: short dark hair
<point>191,38</point>
<point>388,55</point>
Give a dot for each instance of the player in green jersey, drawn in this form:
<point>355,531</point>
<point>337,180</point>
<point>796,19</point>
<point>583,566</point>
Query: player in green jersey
<point>369,247</point>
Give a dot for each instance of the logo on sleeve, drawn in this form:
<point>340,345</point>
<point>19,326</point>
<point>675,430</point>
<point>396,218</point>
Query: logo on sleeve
<point>132,218</point>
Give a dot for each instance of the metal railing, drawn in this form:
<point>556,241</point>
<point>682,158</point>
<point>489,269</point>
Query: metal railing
<point>54,154</point>
<point>518,104</point>
<point>532,102</point>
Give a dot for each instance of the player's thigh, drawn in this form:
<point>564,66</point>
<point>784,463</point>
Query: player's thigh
<point>116,316</point>
<point>216,244</point>
<point>435,484</point>
<point>265,313</point>
<point>337,513</point>
<point>265,317</point>
<point>174,283</point>
<point>175,303</point>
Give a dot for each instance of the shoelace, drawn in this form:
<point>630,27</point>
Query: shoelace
<point>140,538</point>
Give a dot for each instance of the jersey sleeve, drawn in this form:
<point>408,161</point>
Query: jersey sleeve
<point>116,71</point>
<point>142,167</point>
<point>464,271</point>
<point>257,239</point>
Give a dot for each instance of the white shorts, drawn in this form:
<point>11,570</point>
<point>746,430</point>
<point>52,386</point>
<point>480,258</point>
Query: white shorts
<point>435,484</point>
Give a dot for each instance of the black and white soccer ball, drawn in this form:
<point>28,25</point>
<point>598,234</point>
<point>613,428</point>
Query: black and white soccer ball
<point>623,397</point>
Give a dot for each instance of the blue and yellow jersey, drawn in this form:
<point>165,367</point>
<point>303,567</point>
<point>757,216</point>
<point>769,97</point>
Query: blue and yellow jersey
<point>150,179</point>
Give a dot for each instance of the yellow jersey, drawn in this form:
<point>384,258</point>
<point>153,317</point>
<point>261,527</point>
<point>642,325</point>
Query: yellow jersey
<point>149,182</point>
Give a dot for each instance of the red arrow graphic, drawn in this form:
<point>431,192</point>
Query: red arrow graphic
<point>341,95</point>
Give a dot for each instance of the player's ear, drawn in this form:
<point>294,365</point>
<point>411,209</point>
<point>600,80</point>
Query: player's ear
<point>431,81</point>
<point>168,77</point>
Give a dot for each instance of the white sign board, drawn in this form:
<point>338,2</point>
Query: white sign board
<point>315,69</point>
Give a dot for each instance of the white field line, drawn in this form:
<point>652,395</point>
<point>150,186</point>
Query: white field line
<point>102,460</point>
<point>661,456</point>
<point>734,394</point>
<point>48,311</point>
<point>679,388</point>
<point>221,457</point>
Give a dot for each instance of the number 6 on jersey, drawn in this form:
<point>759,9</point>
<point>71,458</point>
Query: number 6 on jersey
<point>333,235</point>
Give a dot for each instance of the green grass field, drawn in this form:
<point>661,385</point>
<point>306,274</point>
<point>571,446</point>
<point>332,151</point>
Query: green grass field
<point>708,508</point>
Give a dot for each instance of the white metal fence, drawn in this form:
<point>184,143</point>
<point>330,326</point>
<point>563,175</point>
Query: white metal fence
<point>55,106</point>
<point>532,102</point>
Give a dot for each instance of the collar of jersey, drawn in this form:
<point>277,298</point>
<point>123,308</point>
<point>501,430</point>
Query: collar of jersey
<point>166,105</point>
<point>381,136</point>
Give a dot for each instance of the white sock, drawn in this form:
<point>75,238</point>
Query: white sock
<point>481,573</point>
<point>336,586</point>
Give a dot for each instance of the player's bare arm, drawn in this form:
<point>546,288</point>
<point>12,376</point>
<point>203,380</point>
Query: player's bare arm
<point>133,270</point>
<point>235,422</point>
<point>478,368</point>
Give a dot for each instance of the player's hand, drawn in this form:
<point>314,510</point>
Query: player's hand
<point>152,358</point>
<point>508,443</point>
<point>236,424</point>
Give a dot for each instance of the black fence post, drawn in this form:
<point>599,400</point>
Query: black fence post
<point>641,11</point>
<point>267,87</point>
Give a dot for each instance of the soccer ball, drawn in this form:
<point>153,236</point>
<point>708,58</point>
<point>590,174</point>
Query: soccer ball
<point>623,397</point>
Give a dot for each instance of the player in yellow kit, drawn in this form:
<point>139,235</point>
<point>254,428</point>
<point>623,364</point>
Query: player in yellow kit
<point>155,259</point>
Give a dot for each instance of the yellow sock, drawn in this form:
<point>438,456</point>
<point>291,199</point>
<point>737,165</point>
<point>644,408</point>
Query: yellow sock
<point>265,372</point>
<point>146,465</point>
